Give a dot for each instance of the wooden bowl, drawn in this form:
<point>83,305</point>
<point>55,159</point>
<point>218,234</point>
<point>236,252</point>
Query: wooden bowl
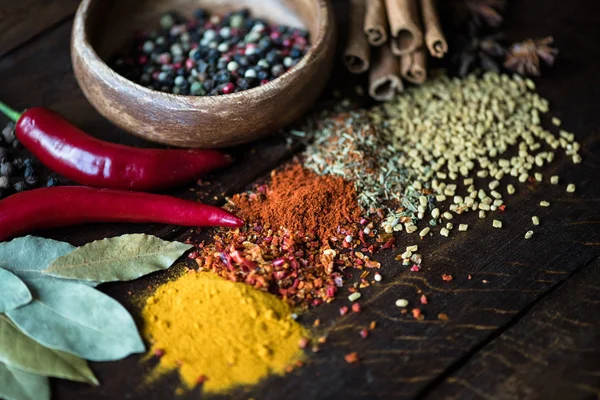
<point>103,27</point>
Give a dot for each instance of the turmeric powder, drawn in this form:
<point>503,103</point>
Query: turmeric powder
<point>220,333</point>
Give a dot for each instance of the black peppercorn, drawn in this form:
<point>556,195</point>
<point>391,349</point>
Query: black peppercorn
<point>52,181</point>
<point>32,181</point>
<point>6,169</point>
<point>295,53</point>
<point>200,14</point>
<point>20,186</point>
<point>262,75</point>
<point>29,171</point>
<point>273,57</point>
<point>223,77</point>
<point>209,85</point>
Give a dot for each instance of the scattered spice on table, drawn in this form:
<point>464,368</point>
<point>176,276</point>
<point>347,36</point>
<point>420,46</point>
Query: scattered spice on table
<point>211,55</point>
<point>18,172</point>
<point>219,333</point>
<point>303,231</point>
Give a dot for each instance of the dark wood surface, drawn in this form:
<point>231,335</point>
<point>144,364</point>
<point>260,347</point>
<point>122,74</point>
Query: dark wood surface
<point>526,324</point>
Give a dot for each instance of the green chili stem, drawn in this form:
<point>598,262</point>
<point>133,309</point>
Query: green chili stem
<point>9,112</point>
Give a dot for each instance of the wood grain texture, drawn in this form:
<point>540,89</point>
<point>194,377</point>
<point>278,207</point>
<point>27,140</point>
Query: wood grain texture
<point>551,353</point>
<point>190,121</point>
<point>402,358</point>
<point>21,20</point>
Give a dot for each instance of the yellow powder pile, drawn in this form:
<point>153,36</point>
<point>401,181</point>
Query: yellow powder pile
<point>219,332</point>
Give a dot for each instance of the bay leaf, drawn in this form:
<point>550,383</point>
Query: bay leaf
<point>20,352</point>
<point>122,258</point>
<point>28,256</point>
<point>77,319</point>
<point>13,292</point>
<point>20,385</point>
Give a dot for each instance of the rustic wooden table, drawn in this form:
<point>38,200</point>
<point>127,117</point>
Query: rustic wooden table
<point>532,331</point>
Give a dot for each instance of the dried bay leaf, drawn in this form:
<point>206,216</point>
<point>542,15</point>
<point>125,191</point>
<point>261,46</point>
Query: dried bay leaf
<point>20,352</point>
<point>13,292</point>
<point>122,258</point>
<point>28,256</point>
<point>77,319</point>
<point>20,385</point>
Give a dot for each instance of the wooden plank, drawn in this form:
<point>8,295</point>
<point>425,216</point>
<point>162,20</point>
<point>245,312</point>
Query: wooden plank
<point>24,19</point>
<point>551,353</point>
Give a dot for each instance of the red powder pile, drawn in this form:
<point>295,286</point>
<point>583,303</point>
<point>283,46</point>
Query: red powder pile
<point>291,245</point>
<point>302,202</point>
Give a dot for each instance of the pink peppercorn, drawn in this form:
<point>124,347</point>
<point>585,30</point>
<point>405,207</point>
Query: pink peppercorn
<point>164,58</point>
<point>229,88</point>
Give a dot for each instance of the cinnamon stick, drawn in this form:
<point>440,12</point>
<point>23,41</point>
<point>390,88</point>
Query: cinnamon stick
<point>384,77</point>
<point>376,22</point>
<point>413,66</point>
<point>357,52</point>
<point>434,37</point>
<point>405,27</point>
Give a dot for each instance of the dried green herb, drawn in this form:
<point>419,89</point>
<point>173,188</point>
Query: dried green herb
<point>122,258</point>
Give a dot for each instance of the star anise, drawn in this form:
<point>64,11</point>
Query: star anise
<point>478,12</point>
<point>524,57</point>
<point>476,52</point>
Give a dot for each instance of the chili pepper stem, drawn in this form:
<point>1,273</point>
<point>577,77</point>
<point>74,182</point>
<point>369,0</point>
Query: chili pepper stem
<point>9,112</point>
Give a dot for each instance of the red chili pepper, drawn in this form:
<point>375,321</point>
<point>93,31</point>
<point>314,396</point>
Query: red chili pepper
<point>84,159</point>
<point>71,205</point>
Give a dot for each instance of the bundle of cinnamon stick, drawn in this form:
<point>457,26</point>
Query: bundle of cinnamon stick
<point>389,39</point>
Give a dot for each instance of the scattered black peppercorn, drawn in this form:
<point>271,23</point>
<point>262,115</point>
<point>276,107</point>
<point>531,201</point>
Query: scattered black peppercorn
<point>17,173</point>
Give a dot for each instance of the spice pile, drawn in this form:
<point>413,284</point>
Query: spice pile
<point>220,334</point>
<point>287,247</point>
<point>211,55</point>
<point>442,150</point>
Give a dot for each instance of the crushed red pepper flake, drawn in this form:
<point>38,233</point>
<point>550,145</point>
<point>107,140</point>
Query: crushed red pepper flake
<point>344,310</point>
<point>415,268</point>
<point>351,358</point>
<point>288,248</point>
<point>317,322</point>
<point>447,277</point>
<point>356,307</point>
<point>364,333</point>
<point>159,352</point>
<point>423,299</point>
<point>417,314</point>
<point>302,343</point>
<point>201,379</point>
<point>443,317</point>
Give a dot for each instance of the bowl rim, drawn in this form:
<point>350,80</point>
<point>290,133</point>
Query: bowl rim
<point>80,38</point>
